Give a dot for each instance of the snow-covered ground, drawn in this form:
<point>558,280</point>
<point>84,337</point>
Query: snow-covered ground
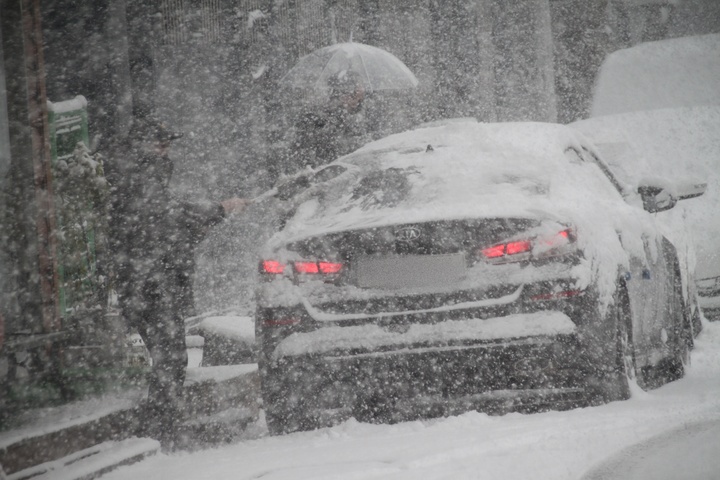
<point>552,445</point>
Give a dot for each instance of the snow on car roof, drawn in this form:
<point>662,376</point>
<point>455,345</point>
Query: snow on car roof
<point>458,170</point>
<point>523,136</point>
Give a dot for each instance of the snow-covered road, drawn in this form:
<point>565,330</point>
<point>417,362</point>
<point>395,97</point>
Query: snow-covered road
<point>552,445</point>
<point>688,453</point>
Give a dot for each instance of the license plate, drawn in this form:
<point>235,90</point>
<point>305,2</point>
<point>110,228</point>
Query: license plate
<point>408,271</point>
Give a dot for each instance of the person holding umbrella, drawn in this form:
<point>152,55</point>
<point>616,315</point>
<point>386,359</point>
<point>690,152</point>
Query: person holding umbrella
<point>338,128</point>
<point>347,71</point>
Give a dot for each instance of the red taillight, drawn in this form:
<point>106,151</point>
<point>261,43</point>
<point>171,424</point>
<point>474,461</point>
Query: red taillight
<point>501,252</point>
<point>272,266</point>
<point>326,268</point>
<point>559,238</point>
<point>512,248</point>
<point>330,267</point>
<point>518,247</point>
<point>495,251</point>
<point>304,267</point>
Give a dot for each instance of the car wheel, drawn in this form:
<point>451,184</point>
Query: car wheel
<point>674,367</point>
<point>276,420</point>
<point>281,419</point>
<point>695,324</point>
<point>627,364</point>
<point>284,411</point>
<point>615,385</point>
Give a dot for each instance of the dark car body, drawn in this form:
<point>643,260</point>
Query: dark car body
<point>679,145</point>
<point>464,266</point>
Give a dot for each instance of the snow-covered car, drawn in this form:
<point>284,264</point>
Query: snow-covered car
<point>672,87</point>
<point>679,145</point>
<point>495,267</point>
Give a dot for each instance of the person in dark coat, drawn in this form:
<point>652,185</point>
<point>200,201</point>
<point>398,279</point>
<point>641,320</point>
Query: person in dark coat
<point>337,129</point>
<point>153,237</point>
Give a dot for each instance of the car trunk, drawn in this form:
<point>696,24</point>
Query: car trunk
<point>413,268</point>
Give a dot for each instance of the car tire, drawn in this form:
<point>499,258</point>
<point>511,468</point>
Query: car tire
<point>695,324</point>
<point>627,363</point>
<point>285,412</point>
<point>281,419</point>
<point>615,384</point>
<point>674,367</point>
<point>686,322</point>
<point>276,420</point>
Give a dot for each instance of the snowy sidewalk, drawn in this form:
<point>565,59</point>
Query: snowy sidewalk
<point>74,440</point>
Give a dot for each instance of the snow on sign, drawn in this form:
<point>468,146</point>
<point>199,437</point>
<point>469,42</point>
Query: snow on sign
<point>68,125</point>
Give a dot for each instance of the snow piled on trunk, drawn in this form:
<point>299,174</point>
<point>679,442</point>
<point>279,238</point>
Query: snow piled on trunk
<point>374,337</point>
<point>467,169</point>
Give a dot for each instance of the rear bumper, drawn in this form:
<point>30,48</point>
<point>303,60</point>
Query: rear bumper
<point>510,353</point>
<point>493,376</point>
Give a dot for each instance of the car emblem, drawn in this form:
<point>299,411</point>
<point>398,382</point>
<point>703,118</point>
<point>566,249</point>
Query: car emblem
<point>407,234</point>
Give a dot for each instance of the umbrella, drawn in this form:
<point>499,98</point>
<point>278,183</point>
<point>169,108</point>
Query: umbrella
<point>378,69</point>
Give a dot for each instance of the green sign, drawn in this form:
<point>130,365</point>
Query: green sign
<point>68,126</point>
<point>75,175</point>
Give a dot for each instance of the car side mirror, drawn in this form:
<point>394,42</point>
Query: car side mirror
<point>690,188</point>
<point>656,199</point>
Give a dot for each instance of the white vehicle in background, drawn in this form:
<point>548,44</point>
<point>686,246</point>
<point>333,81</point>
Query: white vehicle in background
<point>656,114</point>
<point>674,73</point>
